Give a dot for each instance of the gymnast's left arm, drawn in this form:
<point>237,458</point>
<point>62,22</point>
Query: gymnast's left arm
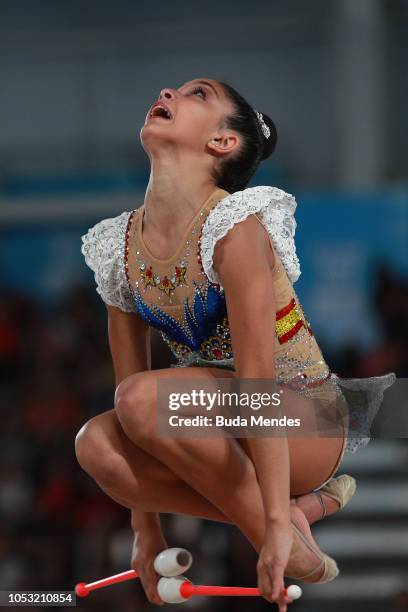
<point>243,261</point>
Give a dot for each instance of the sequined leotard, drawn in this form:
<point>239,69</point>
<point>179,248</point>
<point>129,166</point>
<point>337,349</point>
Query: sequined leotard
<point>183,298</point>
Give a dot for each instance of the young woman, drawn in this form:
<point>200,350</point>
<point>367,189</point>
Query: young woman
<point>211,264</point>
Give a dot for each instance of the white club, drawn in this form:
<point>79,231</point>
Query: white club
<point>173,562</point>
<point>169,589</point>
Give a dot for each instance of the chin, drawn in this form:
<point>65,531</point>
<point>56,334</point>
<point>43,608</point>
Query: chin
<point>152,127</point>
<point>149,133</point>
<point>154,134</point>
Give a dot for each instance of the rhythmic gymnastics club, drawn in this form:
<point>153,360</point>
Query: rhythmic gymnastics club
<point>170,562</point>
<point>174,588</point>
<point>179,589</point>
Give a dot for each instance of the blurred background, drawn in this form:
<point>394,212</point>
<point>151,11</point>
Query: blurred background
<point>76,81</point>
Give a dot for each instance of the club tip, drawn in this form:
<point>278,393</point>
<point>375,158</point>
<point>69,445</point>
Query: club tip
<point>294,591</point>
<point>81,589</point>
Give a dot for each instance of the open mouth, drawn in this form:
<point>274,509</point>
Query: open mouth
<point>161,112</point>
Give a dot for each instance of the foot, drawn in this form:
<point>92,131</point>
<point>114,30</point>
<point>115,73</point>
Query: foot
<point>307,559</point>
<point>327,500</point>
<point>312,508</point>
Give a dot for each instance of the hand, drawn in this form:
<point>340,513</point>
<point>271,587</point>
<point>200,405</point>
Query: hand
<point>272,562</point>
<point>148,543</point>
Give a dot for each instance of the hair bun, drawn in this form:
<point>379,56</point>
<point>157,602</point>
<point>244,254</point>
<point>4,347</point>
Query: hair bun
<point>269,143</point>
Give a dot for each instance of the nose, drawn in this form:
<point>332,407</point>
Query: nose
<point>167,93</point>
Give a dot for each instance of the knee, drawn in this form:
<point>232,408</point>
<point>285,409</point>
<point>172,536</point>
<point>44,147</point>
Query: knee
<point>134,405</point>
<point>94,452</point>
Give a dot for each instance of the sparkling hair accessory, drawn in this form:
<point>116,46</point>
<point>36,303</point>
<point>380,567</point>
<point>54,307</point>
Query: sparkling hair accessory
<point>265,129</point>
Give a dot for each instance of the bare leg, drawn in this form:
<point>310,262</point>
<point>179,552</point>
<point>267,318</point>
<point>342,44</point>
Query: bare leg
<point>311,507</point>
<point>135,479</point>
<point>217,468</point>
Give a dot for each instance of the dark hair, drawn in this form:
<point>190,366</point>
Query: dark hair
<point>235,172</point>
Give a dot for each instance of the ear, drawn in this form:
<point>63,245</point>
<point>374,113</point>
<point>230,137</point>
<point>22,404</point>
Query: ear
<point>221,144</point>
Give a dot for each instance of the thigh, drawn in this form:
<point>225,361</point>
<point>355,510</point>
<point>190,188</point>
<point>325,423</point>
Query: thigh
<point>106,428</point>
<point>312,459</point>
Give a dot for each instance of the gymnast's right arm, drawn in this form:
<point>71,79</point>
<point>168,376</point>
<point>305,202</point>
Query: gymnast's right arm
<point>129,342</point>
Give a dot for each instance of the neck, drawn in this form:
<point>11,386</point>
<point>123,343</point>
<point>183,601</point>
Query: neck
<point>177,189</point>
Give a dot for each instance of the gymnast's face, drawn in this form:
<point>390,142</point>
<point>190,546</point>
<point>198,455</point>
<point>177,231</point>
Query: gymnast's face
<point>195,112</point>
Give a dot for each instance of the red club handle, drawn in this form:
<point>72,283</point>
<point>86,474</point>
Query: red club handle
<point>187,589</point>
<point>82,589</point>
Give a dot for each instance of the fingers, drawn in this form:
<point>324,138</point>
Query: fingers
<point>154,596</point>
<point>149,579</point>
<point>271,583</point>
<point>278,592</point>
<point>264,580</point>
<point>283,600</point>
<point>270,580</point>
<point>282,604</point>
<point>278,586</point>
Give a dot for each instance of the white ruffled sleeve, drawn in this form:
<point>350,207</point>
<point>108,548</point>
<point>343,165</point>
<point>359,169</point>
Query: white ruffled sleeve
<point>103,249</point>
<point>275,208</point>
